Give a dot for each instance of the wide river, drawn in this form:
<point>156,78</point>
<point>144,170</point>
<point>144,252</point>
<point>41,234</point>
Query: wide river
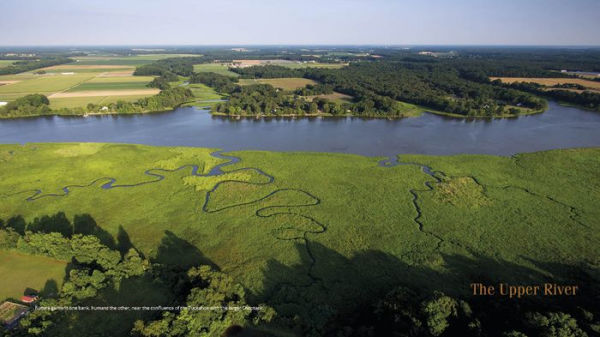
<point>558,127</point>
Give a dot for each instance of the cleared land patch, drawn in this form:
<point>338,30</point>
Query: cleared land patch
<point>335,97</point>
<point>20,272</point>
<point>219,68</point>
<point>285,63</point>
<point>73,102</point>
<point>283,83</point>
<point>592,85</point>
<point>117,73</point>
<point>133,60</point>
<point>6,63</point>
<point>99,86</point>
<point>45,84</point>
<point>72,66</point>
<point>106,93</point>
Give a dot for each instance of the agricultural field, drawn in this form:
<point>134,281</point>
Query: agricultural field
<point>133,60</point>
<point>335,97</point>
<point>287,64</point>
<point>28,271</point>
<point>71,86</point>
<point>82,101</point>
<point>6,63</point>
<point>219,68</point>
<point>283,83</point>
<point>591,85</point>
<point>296,65</point>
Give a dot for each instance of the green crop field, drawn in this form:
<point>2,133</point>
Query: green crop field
<point>20,272</point>
<point>296,65</point>
<point>74,102</point>
<point>283,83</point>
<point>119,86</point>
<point>218,68</point>
<point>6,63</point>
<point>104,79</point>
<point>133,60</point>
<point>45,84</point>
<point>91,86</point>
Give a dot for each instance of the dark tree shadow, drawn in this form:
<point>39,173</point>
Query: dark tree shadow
<point>50,289</point>
<point>57,223</point>
<point>327,292</point>
<point>86,225</point>
<point>17,223</point>
<point>177,252</point>
<point>124,243</point>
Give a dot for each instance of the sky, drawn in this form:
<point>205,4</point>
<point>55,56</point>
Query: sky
<point>299,22</point>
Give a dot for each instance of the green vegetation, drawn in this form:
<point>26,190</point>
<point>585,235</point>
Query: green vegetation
<point>587,99</point>
<point>336,247</point>
<point>38,105</point>
<point>30,105</point>
<point>28,65</point>
<point>22,271</point>
<point>81,102</point>
<point>112,85</point>
<point>217,68</point>
<point>6,63</point>
<point>45,84</point>
<point>289,83</point>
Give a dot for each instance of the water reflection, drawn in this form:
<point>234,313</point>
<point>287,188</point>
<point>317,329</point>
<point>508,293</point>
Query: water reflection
<point>559,127</point>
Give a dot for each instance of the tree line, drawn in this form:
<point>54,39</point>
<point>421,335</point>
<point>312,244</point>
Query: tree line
<point>28,65</point>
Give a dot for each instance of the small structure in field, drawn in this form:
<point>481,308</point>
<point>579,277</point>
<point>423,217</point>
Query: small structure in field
<point>29,299</point>
<point>68,73</point>
<point>10,313</point>
<point>3,103</point>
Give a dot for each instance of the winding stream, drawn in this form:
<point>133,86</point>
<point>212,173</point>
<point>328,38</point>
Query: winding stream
<point>217,170</point>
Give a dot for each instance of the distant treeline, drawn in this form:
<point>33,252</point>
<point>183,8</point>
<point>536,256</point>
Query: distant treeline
<point>437,86</point>
<point>457,84</point>
<point>28,65</point>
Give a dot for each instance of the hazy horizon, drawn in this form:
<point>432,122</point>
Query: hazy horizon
<point>300,23</point>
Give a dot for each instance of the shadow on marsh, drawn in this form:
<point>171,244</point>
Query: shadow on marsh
<point>345,290</point>
<point>326,291</point>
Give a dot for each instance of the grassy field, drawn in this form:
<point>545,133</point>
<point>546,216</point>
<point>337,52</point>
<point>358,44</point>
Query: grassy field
<point>6,63</point>
<point>335,97</point>
<point>289,64</point>
<point>338,227</point>
<point>296,65</point>
<point>45,84</point>
<point>74,102</point>
<point>20,272</point>
<point>123,84</point>
<point>133,60</point>
<point>223,68</point>
<point>218,68</point>
<point>283,83</point>
<point>592,85</point>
